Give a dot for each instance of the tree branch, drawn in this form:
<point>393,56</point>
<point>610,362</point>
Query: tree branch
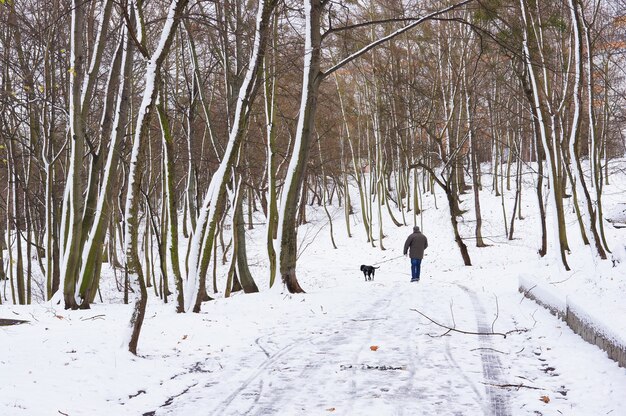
<point>332,30</point>
<point>384,39</point>
<point>443,185</point>
<point>516,386</point>
<point>503,334</point>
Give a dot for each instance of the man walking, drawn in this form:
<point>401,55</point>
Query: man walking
<point>417,243</point>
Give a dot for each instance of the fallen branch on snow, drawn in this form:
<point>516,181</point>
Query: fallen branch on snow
<point>371,367</point>
<point>488,349</point>
<point>9,322</point>
<point>513,386</point>
<point>369,319</point>
<point>503,334</point>
<point>93,317</point>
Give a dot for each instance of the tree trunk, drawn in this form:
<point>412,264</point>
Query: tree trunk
<point>473,162</point>
<point>71,219</point>
<point>589,217</point>
<point>455,227</point>
<point>174,15</point>
<point>172,210</point>
<point>311,79</point>
<point>548,144</point>
<point>92,248</point>
<point>204,233</point>
<point>239,235</point>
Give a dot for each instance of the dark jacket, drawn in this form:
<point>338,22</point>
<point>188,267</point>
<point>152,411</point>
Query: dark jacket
<point>417,243</point>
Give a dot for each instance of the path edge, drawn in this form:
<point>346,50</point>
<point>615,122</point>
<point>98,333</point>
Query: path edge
<point>583,323</point>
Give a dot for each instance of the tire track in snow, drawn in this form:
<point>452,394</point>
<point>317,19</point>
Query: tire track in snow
<point>361,389</point>
<point>260,370</point>
<point>400,326</point>
<point>271,369</point>
<point>357,385</point>
<point>365,346</point>
<point>325,346</point>
<point>478,395</point>
<point>439,383</point>
<point>221,408</point>
<point>253,386</point>
<point>306,376</point>
<point>492,367</point>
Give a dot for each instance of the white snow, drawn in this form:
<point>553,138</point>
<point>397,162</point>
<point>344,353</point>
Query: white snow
<point>273,353</point>
<point>543,293</point>
<point>597,316</point>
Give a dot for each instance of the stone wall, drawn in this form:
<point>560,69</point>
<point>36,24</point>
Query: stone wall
<point>581,323</point>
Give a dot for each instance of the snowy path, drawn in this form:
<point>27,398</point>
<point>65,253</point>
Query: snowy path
<point>332,369</point>
<point>492,368</point>
<point>277,354</point>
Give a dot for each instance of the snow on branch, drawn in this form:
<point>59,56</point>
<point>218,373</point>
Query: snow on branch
<point>384,39</point>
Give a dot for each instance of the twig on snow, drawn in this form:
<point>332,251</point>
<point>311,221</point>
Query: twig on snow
<point>449,329</point>
<point>503,334</point>
<point>533,316</point>
<point>438,336</point>
<point>525,293</point>
<point>497,313</point>
<point>93,317</point>
<point>489,349</point>
<point>457,330</point>
<point>452,312</point>
<point>9,322</point>
<point>514,386</point>
<point>369,319</point>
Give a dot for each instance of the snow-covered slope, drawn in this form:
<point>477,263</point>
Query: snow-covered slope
<point>278,354</point>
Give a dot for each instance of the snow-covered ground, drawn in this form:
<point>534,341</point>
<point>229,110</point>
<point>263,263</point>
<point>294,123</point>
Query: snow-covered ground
<point>273,353</point>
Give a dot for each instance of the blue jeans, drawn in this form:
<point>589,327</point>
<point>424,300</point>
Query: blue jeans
<point>416,265</point>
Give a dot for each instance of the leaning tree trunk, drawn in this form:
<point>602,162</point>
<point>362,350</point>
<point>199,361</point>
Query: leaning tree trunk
<point>453,208</point>
<point>172,210</point>
<point>455,226</point>
<point>548,143</point>
<point>204,233</point>
<point>239,246</point>
<point>311,79</point>
<point>92,248</point>
<point>71,219</point>
<point>595,144</point>
<point>269,84</point>
<point>132,197</point>
<point>589,217</point>
<point>539,155</point>
<point>473,163</point>
<point>356,168</point>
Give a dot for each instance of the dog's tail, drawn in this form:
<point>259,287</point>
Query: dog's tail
<point>377,267</point>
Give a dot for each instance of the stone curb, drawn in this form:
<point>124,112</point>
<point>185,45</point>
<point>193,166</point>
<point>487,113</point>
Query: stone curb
<point>581,322</point>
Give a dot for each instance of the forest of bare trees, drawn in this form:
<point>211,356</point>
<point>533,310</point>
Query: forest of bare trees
<point>146,135</point>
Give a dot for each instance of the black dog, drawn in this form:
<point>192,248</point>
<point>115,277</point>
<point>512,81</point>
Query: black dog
<point>368,271</point>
